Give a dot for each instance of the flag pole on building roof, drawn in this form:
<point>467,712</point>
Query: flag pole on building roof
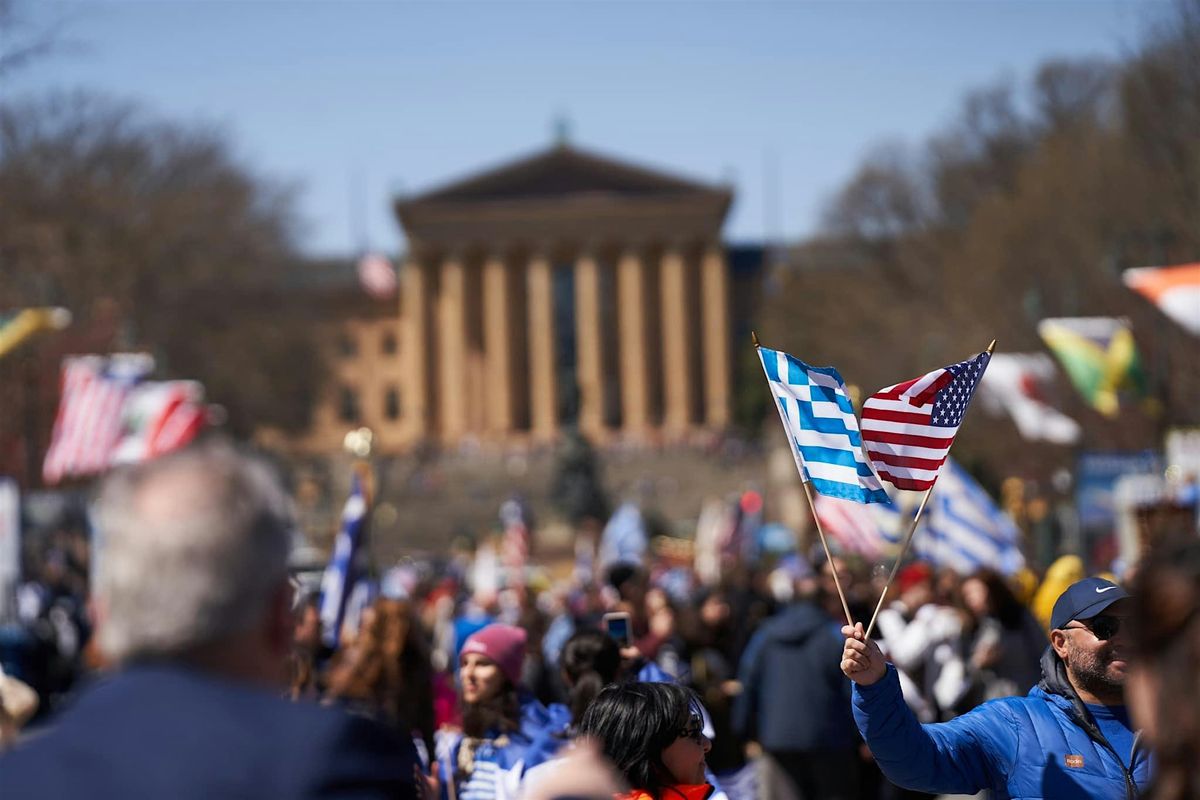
<point>912,529</point>
<point>820,531</point>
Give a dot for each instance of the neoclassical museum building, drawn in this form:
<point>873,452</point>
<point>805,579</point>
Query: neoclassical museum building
<point>562,289</point>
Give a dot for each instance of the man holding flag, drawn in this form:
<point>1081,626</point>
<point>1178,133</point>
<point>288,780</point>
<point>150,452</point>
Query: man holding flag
<point>1071,736</point>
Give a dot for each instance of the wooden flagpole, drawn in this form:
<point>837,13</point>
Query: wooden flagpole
<point>828,556</point>
<point>899,560</point>
<point>808,493</point>
<point>907,541</point>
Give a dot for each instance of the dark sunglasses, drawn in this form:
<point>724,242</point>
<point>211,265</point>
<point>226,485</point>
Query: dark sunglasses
<point>1102,626</point>
<point>694,730</point>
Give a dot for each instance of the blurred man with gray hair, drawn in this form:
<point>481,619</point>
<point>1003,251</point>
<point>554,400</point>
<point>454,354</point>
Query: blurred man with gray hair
<point>193,607</point>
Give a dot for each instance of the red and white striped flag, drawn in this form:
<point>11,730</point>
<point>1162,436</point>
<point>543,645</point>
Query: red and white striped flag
<point>907,429</point>
<point>160,416</point>
<point>377,276</point>
<point>857,526</point>
<point>90,412</point>
<point>514,550</point>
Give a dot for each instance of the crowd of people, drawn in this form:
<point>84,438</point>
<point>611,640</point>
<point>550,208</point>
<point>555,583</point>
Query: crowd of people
<point>210,675</point>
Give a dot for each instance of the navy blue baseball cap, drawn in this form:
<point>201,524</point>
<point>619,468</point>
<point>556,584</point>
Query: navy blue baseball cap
<point>1085,599</point>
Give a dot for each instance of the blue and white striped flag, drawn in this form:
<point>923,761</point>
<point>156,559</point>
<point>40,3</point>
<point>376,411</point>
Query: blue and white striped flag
<point>821,428</point>
<point>343,572</point>
<point>964,530</point>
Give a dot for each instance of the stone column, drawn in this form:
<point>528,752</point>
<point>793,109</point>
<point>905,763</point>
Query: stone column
<point>497,341</point>
<point>588,345</point>
<point>714,296</point>
<point>452,348</point>
<point>418,410</point>
<point>676,345</point>
<point>631,336</point>
<point>543,397</point>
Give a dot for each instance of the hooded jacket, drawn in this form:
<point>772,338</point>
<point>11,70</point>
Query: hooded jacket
<point>1043,745</point>
<point>795,697</point>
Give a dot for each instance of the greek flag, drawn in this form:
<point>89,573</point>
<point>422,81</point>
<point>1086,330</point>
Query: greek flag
<point>964,530</point>
<point>343,572</point>
<point>819,420</point>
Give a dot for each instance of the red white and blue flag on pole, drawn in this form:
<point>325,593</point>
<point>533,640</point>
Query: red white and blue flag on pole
<point>907,429</point>
<point>377,275</point>
<point>90,421</point>
<point>110,414</point>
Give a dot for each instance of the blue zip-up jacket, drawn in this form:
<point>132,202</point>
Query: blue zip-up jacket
<point>1043,745</point>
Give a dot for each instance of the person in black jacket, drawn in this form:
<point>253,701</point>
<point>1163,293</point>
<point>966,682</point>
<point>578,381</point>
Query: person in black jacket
<point>795,702</point>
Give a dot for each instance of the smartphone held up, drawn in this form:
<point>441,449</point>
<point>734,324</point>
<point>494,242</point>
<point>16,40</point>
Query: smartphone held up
<point>616,625</point>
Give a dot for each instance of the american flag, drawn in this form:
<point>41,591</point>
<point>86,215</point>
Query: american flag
<point>90,412</point>
<point>907,429</point>
<point>377,276</point>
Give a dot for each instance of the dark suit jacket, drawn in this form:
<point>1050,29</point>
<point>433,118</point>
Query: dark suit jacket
<point>168,732</point>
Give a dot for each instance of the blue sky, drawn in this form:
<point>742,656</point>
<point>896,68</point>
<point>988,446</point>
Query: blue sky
<point>355,101</point>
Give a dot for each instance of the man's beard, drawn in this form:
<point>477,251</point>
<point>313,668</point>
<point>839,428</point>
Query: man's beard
<point>1091,672</point>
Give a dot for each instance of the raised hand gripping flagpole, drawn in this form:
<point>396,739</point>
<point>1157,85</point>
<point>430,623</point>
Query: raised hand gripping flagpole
<point>808,493</point>
<point>912,529</point>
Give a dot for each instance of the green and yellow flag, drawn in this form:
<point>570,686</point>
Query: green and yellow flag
<point>1100,357</point>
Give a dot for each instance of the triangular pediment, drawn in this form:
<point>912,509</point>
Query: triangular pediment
<point>563,171</point>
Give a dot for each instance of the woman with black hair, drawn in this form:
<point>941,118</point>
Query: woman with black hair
<point>591,660</point>
<point>653,734</point>
<point>1005,642</point>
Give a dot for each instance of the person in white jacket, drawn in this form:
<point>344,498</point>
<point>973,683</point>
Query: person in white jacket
<point>923,638</point>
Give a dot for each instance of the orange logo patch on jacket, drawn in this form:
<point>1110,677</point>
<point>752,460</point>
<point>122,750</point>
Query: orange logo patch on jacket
<point>1075,762</point>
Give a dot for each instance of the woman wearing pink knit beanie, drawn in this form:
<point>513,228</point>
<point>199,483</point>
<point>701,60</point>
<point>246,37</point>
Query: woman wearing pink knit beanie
<point>501,735</point>
<point>497,646</point>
